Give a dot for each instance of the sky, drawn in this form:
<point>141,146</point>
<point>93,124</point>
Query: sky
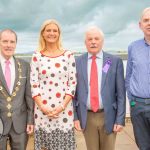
<point>118,19</point>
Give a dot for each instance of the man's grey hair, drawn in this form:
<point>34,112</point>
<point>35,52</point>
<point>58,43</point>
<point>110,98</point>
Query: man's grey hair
<point>144,11</point>
<point>94,28</point>
<point>8,30</point>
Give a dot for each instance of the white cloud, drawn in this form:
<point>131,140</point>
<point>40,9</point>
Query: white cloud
<point>118,19</point>
<point>123,38</point>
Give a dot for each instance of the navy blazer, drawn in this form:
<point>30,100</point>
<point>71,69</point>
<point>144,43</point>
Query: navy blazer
<point>112,91</point>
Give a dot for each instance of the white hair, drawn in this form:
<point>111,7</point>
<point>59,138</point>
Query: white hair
<point>144,11</point>
<point>92,28</point>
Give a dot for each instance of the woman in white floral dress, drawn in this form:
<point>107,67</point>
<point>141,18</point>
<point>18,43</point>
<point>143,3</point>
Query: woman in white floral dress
<point>53,82</point>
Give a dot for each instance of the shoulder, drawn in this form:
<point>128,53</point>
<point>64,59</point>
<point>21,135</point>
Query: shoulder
<point>111,56</point>
<point>135,44</point>
<point>68,53</point>
<point>81,57</point>
<point>36,54</point>
<point>22,61</point>
<point>112,59</point>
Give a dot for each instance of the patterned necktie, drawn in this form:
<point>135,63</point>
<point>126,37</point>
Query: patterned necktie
<point>94,97</point>
<point>7,74</point>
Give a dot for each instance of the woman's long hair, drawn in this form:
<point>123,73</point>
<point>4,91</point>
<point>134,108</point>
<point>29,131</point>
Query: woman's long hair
<point>42,42</point>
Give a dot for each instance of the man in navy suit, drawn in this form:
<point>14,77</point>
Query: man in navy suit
<point>99,112</point>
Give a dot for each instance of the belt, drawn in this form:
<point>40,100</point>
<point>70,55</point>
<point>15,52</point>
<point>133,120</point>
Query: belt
<point>141,100</point>
<point>98,111</point>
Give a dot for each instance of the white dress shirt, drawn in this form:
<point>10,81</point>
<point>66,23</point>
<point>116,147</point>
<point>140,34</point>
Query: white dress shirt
<point>12,69</point>
<point>99,62</point>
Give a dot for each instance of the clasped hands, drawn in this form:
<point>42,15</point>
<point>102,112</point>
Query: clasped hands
<point>51,113</point>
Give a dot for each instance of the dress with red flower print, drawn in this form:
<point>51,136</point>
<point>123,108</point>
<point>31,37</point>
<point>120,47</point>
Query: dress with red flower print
<point>52,78</point>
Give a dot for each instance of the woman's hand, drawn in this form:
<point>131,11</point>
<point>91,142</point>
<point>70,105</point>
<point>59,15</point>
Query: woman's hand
<point>52,115</point>
<point>56,111</point>
<point>45,109</point>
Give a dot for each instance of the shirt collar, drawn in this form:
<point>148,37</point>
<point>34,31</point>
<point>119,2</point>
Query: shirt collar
<point>2,59</point>
<point>98,55</point>
<point>147,44</point>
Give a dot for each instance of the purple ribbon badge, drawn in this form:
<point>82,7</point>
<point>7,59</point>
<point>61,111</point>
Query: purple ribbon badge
<point>107,65</point>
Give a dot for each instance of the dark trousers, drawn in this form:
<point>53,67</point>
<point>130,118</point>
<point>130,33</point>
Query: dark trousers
<point>140,117</point>
<point>17,141</point>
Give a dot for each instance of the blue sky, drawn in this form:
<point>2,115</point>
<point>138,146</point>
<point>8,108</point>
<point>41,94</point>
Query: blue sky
<point>117,18</point>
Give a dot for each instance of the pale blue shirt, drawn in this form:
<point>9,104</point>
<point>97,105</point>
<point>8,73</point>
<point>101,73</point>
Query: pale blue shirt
<point>138,70</point>
<point>99,62</point>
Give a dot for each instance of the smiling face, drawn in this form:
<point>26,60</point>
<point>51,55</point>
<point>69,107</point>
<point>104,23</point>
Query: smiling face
<point>51,33</point>
<point>94,41</point>
<point>145,23</point>
<point>7,44</point>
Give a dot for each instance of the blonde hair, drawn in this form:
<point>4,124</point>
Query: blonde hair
<point>144,11</point>
<point>42,43</point>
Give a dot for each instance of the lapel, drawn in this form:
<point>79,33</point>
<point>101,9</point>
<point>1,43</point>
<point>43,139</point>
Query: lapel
<point>104,75</point>
<point>16,73</point>
<point>84,69</point>
<point>2,80</point>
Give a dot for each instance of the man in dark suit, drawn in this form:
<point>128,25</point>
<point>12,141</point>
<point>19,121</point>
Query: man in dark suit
<point>99,103</point>
<point>16,104</point>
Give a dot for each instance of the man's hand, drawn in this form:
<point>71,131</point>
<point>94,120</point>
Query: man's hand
<point>30,129</point>
<point>77,125</point>
<point>117,128</point>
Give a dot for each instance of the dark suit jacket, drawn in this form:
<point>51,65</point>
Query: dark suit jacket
<point>112,91</point>
<point>22,105</point>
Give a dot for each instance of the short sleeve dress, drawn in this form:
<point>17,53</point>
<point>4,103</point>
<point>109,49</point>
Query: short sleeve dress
<point>52,78</point>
